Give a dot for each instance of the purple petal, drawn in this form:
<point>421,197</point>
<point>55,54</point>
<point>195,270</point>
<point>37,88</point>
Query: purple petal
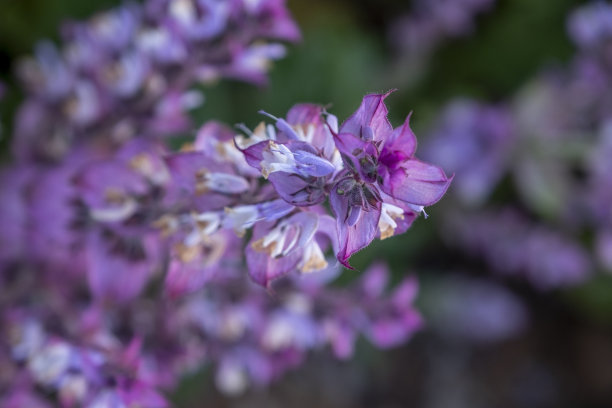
<point>405,293</point>
<point>97,181</point>
<point>263,267</point>
<point>295,190</point>
<point>304,113</point>
<point>375,279</point>
<point>254,153</point>
<point>343,341</point>
<point>313,165</point>
<point>416,182</point>
<point>372,113</point>
<point>283,126</point>
<point>278,21</point>
<point>186,167</point>
<point>353,238</point>
<point>401,140</point>
<point>273,210</point>
<point>350,146</point>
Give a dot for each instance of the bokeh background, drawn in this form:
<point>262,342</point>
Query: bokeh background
<point>491,340</point>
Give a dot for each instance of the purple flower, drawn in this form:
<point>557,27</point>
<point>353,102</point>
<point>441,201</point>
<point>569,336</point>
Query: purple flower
<point>278,248</point>
<point>378,159</point>
<point>110,189</point>
<point>209,185</point>
<point>128,72</point>
<point>299,159</point>
<point>476,143</point>
<point>191,267</point>
<point>591,25</point>
<point>512,245</point>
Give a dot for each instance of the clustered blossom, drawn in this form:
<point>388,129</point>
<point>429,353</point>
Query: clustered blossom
<point>551,141</point>
<point>129,72</point>
<point>126,264</point>
<point>108,356</point>
<point>367,169</point>
<point>104,227</point>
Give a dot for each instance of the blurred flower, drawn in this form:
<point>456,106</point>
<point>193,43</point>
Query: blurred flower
<point>152,244</point>
<point>512,245</point>
<point>591,25</point>
<point>475,310</point>
<point>415,35</point>
<point>128,72</point>
<point>475,142</point>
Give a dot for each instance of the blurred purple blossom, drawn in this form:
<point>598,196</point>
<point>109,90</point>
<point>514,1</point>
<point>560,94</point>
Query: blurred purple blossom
<point>474,310</point>
<point>151,243</point>
<point>128,72</point>
<point>475,142</point>
<point>513,245</point>
<point>416,35</point>
<point>590,26</point>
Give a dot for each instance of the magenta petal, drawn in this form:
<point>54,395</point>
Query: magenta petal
<point>401,140</point>
<point>417,183</point>
<point>304,113</point>
<point>343,341</point>
<point>405,293</point>
<point>374,281</point>
<point>371,113</point>
<point>389,332</point>
<point>254,153</point>
<point>360,235</point>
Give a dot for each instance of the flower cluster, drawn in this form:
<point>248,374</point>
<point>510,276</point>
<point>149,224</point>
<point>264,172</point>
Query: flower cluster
<point>128,72</point>
<point>152,243</point>
<point>123,261</point>
<point>101,211</point>
<point>108,229</point>
<point>108,356</point>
